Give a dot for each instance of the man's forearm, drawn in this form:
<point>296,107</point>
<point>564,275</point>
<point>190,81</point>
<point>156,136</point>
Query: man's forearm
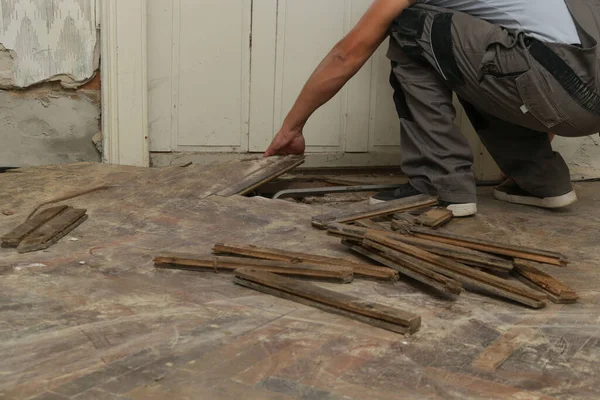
<point>344,61</point>
<point>327,80</point>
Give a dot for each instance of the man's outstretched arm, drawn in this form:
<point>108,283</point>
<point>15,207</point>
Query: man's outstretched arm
<point>340,65</point>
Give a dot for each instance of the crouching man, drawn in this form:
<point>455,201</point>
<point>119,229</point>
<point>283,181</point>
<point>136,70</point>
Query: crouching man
<point>521,69</point>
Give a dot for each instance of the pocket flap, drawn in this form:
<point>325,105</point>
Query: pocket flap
<point>534,91</point>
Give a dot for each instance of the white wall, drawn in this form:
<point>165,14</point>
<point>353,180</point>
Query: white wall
<point>582,155</point>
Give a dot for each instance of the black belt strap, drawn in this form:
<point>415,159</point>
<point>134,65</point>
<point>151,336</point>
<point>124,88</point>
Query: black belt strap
<point>582,93</point>
<point>442,47</point>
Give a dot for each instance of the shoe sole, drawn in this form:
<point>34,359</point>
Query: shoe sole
<point>458,210</point>
<point>463,210</point>
<point>547,202</point>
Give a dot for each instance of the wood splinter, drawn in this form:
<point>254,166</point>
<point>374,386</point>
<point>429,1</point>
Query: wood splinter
<point>528,273</point>
<point>378,315</point>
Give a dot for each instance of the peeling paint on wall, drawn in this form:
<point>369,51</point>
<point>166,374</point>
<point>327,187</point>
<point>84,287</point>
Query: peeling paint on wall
<point>47,40</point>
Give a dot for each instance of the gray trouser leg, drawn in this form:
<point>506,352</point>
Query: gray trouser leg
<point>523,154</point>
<point>491,69</point>
<point>435,154</point>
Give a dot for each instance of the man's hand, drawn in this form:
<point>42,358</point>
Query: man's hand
<point>287,142</point>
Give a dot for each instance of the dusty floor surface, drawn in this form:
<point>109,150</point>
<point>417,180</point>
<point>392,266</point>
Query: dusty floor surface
<point>91,318</point>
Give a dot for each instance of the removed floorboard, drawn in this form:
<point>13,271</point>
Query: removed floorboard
<point>529,273</point>
<point>542,256</point>
<point>369,211</point>
<point>434,218</point>
<point>192,262</point>
<point>305,293</point>
<point>13,238</point>
<point>275,168</point>
<point>53,230</point>
<point>466,275</point>
<point>463,255</point>
<point>406,265</point>
<point>470,277</point>
<point>264,253</point>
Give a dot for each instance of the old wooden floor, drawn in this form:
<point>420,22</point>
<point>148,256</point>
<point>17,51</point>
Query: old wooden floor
<point>91,319</point>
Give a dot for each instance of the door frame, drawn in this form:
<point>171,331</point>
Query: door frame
<point>124,74</point>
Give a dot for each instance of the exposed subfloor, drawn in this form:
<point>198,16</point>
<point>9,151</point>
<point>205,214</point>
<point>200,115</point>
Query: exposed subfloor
<point>91,318</point>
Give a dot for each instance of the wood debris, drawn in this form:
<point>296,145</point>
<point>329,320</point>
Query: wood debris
<point>406,265</point>
<point>434,218</point>
<point>191,262</point>
<point>53,230</point>
<point>378,315</point>
<point>403,221</point>
<point>529,273</point>
<point>367,211</point>
<point>470,277</point>
<point>463,255</point>
<point>264,253</point>
<point>14,237</point>
<point>542,256</point>
<point>44,229</point>
<point>410,246</point>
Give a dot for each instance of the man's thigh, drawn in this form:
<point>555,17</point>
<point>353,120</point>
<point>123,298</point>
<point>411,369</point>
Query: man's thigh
<point>483,63</point>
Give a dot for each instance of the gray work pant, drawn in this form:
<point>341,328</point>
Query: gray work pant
<point>512,101</point>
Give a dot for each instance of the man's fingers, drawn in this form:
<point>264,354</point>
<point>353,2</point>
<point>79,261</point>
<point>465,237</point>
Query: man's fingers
<point>272,150</point>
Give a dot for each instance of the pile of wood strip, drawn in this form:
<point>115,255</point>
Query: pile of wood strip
<point>445,262</point>
<point>408,246</point>
<point>273,272</point>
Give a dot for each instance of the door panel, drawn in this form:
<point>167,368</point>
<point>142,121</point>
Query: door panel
<point>213,74</point>
<point>199,51</point>
<point>160,79</point>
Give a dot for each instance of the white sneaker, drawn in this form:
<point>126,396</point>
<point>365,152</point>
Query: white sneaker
<point>512,193</point>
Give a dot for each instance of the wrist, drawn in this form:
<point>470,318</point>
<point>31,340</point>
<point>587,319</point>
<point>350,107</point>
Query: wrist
<point>295,128</point>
